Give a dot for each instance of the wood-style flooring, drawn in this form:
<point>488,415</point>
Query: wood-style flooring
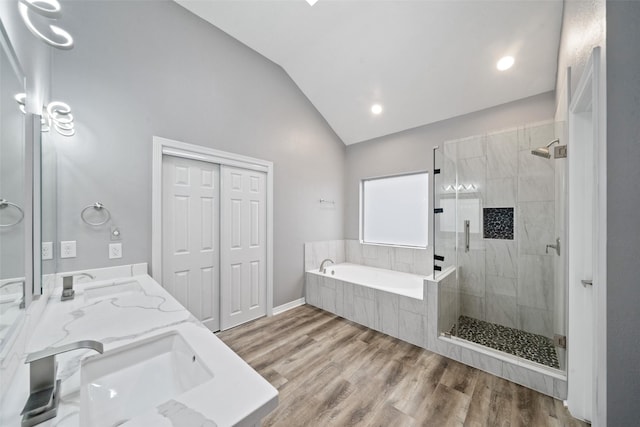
<point>333,372</point>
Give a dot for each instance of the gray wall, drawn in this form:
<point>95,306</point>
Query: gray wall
<point>144,68</point>
<point>583,28</point>
<point>623,205</point>
<point>412,150</point>
<point>12,159</point>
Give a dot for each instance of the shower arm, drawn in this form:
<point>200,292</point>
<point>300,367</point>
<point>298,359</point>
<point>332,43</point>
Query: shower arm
<point>552,142</point>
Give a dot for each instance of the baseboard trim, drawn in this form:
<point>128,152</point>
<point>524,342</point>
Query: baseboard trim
<point>288,306</point>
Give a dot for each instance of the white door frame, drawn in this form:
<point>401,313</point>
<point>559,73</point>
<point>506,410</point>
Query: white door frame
<point>589,94</point>
<point>164,146</point>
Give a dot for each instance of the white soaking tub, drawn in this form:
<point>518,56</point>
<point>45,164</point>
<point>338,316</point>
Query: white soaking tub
<point>396,282</point>
<point>388,301</point>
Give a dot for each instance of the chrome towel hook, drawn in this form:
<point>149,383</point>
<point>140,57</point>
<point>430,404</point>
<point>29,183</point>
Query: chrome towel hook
<point>99,207</point>
<point>5,204</point>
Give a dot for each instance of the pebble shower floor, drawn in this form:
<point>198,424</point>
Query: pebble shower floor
<point>536,348</point>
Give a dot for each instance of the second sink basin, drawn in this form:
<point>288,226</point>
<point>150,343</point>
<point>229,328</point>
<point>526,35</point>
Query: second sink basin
<point>127,381</point>
<point>114,289</point>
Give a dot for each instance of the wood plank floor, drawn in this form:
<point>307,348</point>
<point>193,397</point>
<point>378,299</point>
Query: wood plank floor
<point>333,372</point>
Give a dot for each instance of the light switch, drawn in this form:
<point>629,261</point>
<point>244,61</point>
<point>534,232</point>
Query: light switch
<point>68,249</point>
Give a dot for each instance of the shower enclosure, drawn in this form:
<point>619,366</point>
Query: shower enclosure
<point>499,222</point>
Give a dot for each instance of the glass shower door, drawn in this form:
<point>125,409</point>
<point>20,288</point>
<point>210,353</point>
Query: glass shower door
<point>503,211</point>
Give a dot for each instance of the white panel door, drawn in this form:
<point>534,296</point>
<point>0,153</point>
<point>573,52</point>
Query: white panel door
<point>190,236</point>
<point>243,246</point>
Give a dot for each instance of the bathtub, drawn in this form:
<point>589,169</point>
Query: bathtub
<point>388,301</point>
<point>396,282</point>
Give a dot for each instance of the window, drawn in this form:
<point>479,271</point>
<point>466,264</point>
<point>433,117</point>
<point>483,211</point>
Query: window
<point>394,210</point>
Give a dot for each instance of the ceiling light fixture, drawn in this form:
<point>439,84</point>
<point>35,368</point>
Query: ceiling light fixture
<point>376,109</point>
<point>53,12</point>
<point>312,2</point>
<point>505,63</point>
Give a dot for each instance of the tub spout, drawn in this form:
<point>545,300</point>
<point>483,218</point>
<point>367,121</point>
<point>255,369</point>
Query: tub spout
<point>322,267</point>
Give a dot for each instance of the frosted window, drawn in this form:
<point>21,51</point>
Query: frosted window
<point>395,210</point>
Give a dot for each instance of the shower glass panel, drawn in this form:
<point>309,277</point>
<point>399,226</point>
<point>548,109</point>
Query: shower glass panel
<point>502,208</point>
<point>444,232</point>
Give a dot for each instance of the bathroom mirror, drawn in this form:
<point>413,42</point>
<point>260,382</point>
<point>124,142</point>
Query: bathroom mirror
<point>12,190</point>
<point>48,209</point>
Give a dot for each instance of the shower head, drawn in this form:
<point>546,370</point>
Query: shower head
<point>544,151</point>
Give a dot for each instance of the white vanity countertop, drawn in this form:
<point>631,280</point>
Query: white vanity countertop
<point>237,395</point>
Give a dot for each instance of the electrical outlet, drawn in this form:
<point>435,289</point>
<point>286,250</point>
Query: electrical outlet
<point>68,249</point>
<point>115,250</point>
<point>47,250</point>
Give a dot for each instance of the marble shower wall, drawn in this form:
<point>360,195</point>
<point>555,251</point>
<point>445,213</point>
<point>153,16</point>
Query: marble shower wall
<point>507,281</point>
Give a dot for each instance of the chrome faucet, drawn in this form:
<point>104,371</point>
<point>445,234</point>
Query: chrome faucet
<point>67,285</point>
<point>44,389</point>
<point>322,268</point>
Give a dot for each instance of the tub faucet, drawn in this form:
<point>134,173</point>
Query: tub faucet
<point>322,267</point>
<point>44,389</point>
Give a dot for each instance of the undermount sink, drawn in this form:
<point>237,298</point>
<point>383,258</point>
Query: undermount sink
<point>127,381</point>
<point>110,290</point>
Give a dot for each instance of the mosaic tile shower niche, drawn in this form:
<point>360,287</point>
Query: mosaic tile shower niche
<point>505,280</point>
<point>497,223</point>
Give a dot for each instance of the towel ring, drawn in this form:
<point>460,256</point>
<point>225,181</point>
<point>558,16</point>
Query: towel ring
<point>99,207</point>
<point>5,204</point>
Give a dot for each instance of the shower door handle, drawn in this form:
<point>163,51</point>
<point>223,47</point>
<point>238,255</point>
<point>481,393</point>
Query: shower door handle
<point>466,235</point>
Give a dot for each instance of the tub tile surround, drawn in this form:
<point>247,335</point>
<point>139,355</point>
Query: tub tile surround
<point>396,315</point>
<point>316,252</point>
<point>406,260</point>
<point>127,318</point>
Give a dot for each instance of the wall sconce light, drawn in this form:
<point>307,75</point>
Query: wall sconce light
<point>59,114</point>
<point>50,9</point>
<point>21,99</point>
<point>56,114</point>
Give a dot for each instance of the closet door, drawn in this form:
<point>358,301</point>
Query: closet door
<point>190,233</point>
<point>243,246</point>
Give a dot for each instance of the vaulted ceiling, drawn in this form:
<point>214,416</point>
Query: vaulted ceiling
<point>422,60</point>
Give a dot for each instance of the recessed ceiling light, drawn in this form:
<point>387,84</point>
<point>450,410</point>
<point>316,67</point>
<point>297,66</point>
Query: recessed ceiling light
<point>505,63</point>
<point>376,108</point>
<point>312,2</point>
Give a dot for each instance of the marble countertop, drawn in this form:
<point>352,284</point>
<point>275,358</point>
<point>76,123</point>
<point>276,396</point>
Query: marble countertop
<point>235,396</point>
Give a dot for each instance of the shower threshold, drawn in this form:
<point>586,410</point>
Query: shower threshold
<point>536,348</point>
